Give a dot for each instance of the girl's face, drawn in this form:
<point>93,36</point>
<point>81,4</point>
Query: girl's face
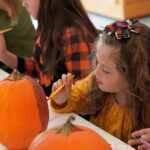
<point>32,7</point>
<point>109,79</point>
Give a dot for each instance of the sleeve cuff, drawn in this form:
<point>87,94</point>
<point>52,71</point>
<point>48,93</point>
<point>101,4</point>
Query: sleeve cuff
<point>21,64</point>
<point>56,106</point>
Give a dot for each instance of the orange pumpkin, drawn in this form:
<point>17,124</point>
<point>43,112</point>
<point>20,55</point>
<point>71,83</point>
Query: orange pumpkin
<point>69,137</point>
<point>23,111</point>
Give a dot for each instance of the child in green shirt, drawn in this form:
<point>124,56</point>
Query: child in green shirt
<point>20,40</point>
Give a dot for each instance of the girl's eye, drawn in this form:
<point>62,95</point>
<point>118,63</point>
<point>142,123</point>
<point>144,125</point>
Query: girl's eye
<point>105,71</point>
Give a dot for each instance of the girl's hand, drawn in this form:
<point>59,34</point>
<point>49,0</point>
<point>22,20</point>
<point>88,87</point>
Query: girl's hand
<point>143,141</point>
<point>62,96</point>
<point>3,49</point>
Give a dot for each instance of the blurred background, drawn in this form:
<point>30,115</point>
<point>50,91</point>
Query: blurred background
<point>103,12</point>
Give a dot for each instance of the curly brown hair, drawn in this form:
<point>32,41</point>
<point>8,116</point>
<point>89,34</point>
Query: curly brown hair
<point>133,62</point>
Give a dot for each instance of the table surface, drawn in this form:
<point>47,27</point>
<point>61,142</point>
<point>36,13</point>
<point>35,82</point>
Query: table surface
<point>59,118</point>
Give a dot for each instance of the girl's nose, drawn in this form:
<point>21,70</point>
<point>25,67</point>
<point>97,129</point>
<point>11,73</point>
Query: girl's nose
<point>98,72</point>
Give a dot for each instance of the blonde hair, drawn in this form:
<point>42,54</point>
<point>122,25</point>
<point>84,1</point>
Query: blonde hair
<point>11,8</point>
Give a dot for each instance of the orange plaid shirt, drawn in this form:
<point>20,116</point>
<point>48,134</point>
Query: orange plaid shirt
<point>78,60</point>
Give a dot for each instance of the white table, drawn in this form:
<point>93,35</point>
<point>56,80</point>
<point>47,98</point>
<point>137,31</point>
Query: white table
<point>58,119</point>
<point>3,74</point>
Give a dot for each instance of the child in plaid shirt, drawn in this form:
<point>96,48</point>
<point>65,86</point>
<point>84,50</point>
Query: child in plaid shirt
<point>64,43</point>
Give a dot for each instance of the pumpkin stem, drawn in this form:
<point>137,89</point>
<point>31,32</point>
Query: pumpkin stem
<point>68,127</point>
<point>15,75</point>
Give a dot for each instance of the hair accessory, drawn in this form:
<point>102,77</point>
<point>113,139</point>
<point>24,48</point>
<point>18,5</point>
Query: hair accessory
<point>122,29</point>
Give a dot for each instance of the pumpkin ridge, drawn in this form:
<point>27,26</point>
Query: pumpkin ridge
<point>15,85</point>
<point>42,106</point>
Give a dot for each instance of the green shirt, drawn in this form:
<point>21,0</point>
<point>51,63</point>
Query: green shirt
<point>21,39</point>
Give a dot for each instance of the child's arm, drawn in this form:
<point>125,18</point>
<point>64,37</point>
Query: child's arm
<point>143,139</point>
<point>24,65</point>
<point>62,96</point>
<point>71,97</point>
<point>5,56</point>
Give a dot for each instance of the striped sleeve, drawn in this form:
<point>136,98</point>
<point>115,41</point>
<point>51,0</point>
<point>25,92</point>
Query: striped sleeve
<point>26,66</point>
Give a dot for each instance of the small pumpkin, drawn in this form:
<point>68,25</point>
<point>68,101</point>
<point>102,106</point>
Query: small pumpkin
<point>23,111</point>
<point>69,137</point>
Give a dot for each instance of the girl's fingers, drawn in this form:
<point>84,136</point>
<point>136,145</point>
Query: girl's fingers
<point>134,142</point>
<point>59,83</point>
<point>54,87</point>
<point>142,147</point>
<point>141,132</point>
<point>69,76</point>
<point>146,137</point>
<point>64,78</point>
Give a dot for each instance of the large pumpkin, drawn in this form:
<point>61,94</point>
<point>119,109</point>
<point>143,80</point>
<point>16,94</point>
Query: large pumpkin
<point>23,111</point>
<point>69,137</point>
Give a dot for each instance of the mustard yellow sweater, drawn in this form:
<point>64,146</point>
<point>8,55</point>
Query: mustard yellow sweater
<point>113,118</point>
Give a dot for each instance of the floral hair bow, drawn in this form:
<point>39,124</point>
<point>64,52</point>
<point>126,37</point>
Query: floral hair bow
<point>122,29</point>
